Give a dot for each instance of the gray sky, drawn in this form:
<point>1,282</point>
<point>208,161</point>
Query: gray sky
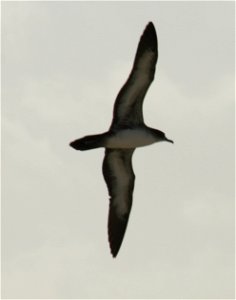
<point>63,65</point>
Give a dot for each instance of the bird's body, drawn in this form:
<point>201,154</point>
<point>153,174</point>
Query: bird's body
<point>124,138</point>
<point>127,132</point>
<point>130,138</point>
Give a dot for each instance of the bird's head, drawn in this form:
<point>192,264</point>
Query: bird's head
<point>161,137</point>
<point>168,140</point>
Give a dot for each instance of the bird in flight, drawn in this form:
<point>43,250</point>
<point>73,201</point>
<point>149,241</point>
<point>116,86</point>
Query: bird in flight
<point>127,132</point>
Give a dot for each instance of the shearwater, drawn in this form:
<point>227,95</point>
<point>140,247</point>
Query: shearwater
<point>127,132</point>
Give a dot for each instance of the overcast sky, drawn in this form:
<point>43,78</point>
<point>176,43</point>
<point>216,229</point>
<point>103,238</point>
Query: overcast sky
<point>63,64</point>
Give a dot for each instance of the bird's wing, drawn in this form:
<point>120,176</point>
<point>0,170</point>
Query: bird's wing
<point>119,177</point>
<point>128,105</point>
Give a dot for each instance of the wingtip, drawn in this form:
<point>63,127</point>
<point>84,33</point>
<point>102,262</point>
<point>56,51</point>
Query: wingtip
<point>114,253</point>
<point>150,33</point>
<point>116,232</point>
<point>150,25</point>
<point>114,247</point>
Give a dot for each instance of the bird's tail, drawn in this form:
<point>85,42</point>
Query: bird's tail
<point>88,142</point>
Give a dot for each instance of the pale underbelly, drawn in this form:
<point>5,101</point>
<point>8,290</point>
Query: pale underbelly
<point>130,139</point>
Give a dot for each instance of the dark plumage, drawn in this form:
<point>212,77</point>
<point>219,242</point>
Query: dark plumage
<point>127,132</point>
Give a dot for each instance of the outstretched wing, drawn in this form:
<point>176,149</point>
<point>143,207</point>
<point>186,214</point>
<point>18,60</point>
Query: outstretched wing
<point>128,105</point>
<point>119,177</point>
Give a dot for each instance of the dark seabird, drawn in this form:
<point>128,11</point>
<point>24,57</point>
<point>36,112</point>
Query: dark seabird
<point>127,132</point>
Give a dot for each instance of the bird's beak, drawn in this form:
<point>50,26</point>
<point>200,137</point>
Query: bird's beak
<point>170,141</point>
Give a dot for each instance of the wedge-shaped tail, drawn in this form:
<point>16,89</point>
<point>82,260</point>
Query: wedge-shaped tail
<point>88,142</point>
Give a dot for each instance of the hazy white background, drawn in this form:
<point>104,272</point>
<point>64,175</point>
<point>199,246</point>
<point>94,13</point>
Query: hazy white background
<point>63,65</point>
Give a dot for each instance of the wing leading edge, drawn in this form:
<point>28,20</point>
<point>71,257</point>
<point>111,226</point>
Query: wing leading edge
<point>128,105</point>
